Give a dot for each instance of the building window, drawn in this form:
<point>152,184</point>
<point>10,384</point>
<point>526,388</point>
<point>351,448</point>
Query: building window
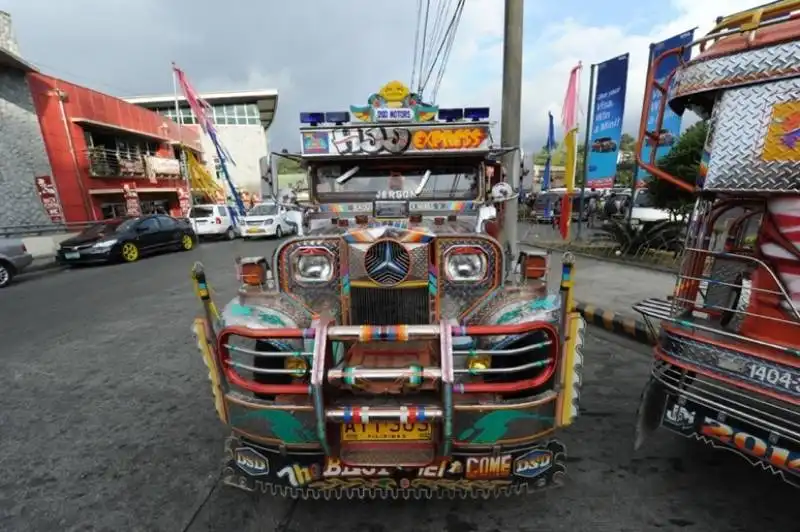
<point>225,115</point>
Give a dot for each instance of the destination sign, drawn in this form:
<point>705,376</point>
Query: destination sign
<point>395,140</point>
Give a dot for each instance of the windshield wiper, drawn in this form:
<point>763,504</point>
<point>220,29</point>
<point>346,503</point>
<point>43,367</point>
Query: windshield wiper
<point>345,177</point>
<point>425,178</point>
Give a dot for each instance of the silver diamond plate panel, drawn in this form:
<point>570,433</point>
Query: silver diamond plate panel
<point>419,261</point>
<point>771,63</point>
<point>356,253</point>
<point>743,117</point>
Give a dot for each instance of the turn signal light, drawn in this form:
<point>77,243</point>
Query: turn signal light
<point>534,265</point>
<point>298,365</point>
<point>478,363</point>
<point>252,270</point>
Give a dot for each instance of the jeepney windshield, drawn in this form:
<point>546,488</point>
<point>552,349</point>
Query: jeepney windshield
<point>366,181</point>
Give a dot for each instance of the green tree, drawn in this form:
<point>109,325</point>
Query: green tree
<point>627,143</point>
<point>683,162</point>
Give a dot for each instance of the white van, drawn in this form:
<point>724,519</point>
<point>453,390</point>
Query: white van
<point>217,221</point>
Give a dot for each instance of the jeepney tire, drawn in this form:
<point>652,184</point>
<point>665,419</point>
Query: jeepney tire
<point>7,273</point>
<point>652,402</point>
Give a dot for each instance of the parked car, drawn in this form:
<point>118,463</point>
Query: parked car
<point>14,258</point>
<point>215,221</point>
<point>267,219</point>
<point>127,239</point>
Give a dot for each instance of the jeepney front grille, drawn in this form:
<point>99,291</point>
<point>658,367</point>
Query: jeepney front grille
<point>389,306</point>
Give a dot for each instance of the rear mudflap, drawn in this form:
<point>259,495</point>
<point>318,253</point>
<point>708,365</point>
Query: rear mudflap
<point>465,475</point>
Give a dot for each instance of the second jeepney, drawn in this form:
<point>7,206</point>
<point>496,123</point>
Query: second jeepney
<point>394,348</point>
<point>727,361</point>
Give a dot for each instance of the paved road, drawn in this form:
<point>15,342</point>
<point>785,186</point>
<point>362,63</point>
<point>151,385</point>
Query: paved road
<point>106,423</point>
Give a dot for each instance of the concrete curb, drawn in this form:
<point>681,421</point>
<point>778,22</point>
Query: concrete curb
<point>42,264</point>
<point>633,264</point>
<point>615,322</point>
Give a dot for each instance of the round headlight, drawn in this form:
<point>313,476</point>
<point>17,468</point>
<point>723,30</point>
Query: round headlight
<point>313,265</point>
<point>467,264</point>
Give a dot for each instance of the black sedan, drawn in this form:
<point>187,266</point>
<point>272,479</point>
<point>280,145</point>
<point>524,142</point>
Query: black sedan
<point>127,239</point>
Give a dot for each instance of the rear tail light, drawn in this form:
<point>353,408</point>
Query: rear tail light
<point>218,220</point>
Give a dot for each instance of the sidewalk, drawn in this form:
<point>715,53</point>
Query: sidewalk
<point>605,292</point>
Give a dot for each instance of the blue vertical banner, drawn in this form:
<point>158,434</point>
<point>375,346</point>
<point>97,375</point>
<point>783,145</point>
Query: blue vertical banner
<point>549,147</point>
<point>671,125</point>
<point>609,108</point>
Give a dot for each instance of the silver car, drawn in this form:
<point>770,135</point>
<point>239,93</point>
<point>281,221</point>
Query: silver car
<point>14,258</point>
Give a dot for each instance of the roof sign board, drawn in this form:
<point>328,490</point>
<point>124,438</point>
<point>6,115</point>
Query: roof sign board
<point>418,139</point>
<point>394,102</point>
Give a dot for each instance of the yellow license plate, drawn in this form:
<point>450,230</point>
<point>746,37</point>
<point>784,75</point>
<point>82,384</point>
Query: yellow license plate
<point>387,432</point>
<point>254,230</point>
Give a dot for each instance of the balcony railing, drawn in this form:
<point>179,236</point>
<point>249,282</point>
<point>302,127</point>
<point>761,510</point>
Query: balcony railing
<point>110,163</point>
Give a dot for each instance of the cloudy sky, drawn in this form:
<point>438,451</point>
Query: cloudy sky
<point>325,55</point>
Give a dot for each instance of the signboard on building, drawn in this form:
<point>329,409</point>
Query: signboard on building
<point>396,140</point>
<point>184,202</point>
<point>161,167</point>
<point>48,195</point>
<point>132,205</point>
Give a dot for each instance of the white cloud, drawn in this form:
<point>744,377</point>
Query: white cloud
<point>548,58</point>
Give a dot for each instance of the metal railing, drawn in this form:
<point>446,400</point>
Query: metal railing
<point>110,163</point>
<point>19,231</point>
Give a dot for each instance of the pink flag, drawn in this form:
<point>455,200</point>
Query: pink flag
<point>569,111</point>
<point>199,107</point>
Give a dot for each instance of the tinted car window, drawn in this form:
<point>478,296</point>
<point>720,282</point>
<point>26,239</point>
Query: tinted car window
<point>167,222</point>
<point>202,212</point>
<point>150,224</point>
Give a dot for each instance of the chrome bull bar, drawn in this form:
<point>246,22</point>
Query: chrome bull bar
<point>324,333</point>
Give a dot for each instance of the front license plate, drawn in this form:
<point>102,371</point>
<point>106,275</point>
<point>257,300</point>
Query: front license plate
<point>72,255</point>
<point>387,432</point>
<point>254,230</point>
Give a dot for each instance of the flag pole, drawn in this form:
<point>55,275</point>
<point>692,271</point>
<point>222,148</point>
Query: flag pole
<point>644,141</point>
<point>586,139</point>
<point>179,118</point>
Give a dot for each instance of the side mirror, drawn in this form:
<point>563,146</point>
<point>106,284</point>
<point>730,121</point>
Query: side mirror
<point>141,229</point>
<point>485,214</point>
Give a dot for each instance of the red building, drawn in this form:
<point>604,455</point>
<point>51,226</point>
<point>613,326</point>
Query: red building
<point>109,157</point>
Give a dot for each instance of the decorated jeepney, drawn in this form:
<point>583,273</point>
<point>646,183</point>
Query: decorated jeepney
<point>727,362</point>
<point>395,349</point>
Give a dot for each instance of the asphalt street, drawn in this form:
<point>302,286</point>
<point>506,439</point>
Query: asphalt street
<point>107,423</point>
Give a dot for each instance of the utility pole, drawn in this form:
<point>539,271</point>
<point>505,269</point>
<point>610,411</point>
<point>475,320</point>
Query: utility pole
<point>510,120</point>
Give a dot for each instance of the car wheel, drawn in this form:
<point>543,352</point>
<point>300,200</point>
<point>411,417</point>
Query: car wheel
<point>230,234</point>
<point>187,242</point>
<point>129,252</point>
<point>6,274</point>
<point>278,232</point>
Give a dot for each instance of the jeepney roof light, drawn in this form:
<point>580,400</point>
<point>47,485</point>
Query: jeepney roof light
<point>334,221</point>
<point>451,217</point>
<point>344,222</point>
<point>451,115</point>
<point>439,220</point>
<point>362,219</point>
<point>476,114</point>
<point>339,117</point>
<point>415,218</point>
<point>312,119</point>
